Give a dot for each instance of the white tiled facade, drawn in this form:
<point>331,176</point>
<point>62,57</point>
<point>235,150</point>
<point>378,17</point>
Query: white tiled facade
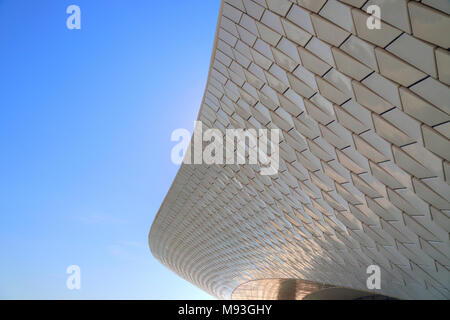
<point>365,153</point>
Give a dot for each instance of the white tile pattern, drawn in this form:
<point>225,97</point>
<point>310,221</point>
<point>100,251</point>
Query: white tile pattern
<point>365,151</point>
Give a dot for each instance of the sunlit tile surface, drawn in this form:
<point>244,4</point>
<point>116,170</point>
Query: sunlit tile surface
<point>365,151</point>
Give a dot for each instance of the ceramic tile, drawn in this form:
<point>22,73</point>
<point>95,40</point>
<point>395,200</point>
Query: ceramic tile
<point>350,66</point>
<point>396,69</point>
<point>361,50</point>
<point>443,65</point>
<point>380,37</point>
<point>338,13</point>
<point>429,24</point>
<point>434,92</point>
<point>416,52</point>
<point>301,17</point>
<point>328,31</point>
<point>393,12</point>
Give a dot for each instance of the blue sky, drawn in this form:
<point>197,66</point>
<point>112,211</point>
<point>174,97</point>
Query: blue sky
<point>85,123</point>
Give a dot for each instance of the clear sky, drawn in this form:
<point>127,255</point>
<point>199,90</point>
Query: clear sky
<point>85,123</point>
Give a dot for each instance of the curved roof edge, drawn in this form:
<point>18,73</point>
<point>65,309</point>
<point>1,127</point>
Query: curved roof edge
<point>219,20</point>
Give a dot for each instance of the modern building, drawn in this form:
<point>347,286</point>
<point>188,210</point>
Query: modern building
<point>363,107</point>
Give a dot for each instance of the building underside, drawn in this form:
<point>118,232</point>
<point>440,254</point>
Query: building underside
<point>295,289</point>
<point>364,155</point>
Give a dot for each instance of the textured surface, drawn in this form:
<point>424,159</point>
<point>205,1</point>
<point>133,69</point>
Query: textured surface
<point>276,289</point>
<point>364,169</point>
<point>293,289</point>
